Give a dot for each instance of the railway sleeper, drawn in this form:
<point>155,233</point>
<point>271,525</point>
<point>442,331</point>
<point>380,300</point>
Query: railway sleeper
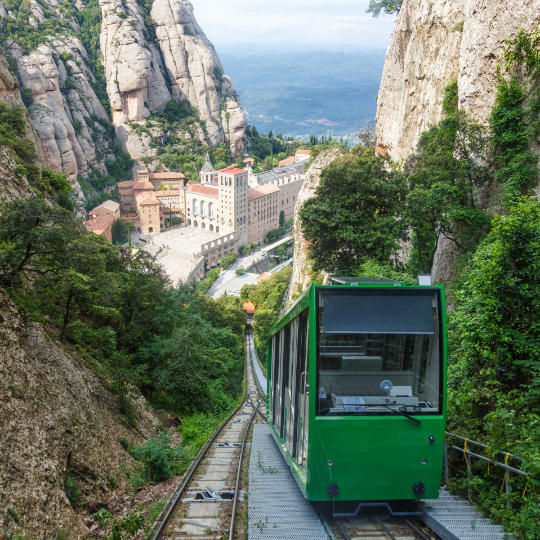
<point>210,495</point>
<point>228,444</point>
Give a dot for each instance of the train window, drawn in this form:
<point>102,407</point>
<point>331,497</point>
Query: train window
<point>379,352</point>
<point>275,374</point>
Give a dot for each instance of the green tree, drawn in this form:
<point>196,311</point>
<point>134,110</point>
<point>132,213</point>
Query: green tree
<point>443,176</point>
<point>281,218</point>
<point>387,6</point>
<point>355,215</point>
<point>32,236</point>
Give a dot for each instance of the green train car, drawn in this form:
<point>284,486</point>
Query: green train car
<point>357,391</point>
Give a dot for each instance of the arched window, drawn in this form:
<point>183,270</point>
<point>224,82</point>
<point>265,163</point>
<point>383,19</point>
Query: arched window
<point>211,227</point>
<point>203,205</point>
<point>189,221</point>
<point>195,207</point>
<point>211,209</point>
<point>217,229</point>
<point>195,224</point>
<point>203,225</point>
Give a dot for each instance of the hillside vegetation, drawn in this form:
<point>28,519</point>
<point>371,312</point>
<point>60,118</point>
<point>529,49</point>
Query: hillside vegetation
<point>471,187</point>
<point>114,312</point>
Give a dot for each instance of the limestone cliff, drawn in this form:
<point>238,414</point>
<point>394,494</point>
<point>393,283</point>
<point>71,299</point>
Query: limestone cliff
<point>65,110</point>
<point>301,276</point>
<point>434,43</point>
<point>150,53</point>
<point>9,94</point>
<point>57,421</point>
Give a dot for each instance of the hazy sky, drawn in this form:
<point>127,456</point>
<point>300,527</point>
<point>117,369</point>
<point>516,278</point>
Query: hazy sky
<point>321,22</point>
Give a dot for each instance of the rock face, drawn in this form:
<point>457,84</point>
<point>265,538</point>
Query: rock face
<point>301,278</point>
<point>58,424</point>
<point>9,94</point>
<point>148,58</point>
<point>143,73</point>
<point>196,72</point>
<point>65,110</point>
<point>434,43</point>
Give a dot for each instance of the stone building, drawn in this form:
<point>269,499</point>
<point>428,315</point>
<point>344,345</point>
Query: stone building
<point>263,212</point>
<point>231,201</point>
<point>107,207</point>
<point>101,225</point>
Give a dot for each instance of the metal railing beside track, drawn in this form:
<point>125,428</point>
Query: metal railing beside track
<point>468,454</point>
<point>260,375</point>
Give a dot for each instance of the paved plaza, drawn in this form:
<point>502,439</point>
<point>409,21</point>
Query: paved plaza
<point>183,239</point>
<point>178,251</point>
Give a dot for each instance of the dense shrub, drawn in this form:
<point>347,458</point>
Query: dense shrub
<point>159,457</point>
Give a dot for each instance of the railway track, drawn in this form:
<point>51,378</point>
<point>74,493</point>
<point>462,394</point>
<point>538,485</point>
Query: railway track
<point>206,503</point>
<point>375,525</point>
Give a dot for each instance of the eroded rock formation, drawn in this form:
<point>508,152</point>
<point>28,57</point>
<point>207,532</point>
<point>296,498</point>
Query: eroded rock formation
<point>148,57</point>
<point>434,43</point>
<point>65,110</point>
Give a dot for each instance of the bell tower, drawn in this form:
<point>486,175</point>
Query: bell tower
<point>207,173</point>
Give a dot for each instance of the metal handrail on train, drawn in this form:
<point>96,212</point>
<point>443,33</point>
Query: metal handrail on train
<point>468,454</point>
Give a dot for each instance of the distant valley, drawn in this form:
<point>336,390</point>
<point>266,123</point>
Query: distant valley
<point>303,92</point>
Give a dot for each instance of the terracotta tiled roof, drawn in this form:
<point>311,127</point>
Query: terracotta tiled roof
<point>264,277</point>
<point>166,176</point>
<point>143,184</point>
<point>261,191</point>
<point>287,161</point>
<point>232,170</point>
<point>210,191</point>
<point>126,184</point>
<point>249,307</point>
<point>113,206</point>
<point>100,223</point>
<point>168,193</point>
<point>249,160</point>
<point>304,152</point>
<point>148,201</point>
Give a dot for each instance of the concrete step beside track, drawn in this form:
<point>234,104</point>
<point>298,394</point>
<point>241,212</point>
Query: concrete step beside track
<point>453,518</point>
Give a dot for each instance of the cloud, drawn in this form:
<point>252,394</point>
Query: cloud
<point>293,21</point>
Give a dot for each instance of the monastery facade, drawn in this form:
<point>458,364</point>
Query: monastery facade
<point>233,207</point>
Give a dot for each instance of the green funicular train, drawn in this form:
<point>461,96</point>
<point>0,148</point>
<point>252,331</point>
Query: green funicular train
<point>357,391</point>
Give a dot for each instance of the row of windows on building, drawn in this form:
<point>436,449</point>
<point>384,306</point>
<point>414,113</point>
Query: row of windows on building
<point>204,209</point>
<point>195,223</point>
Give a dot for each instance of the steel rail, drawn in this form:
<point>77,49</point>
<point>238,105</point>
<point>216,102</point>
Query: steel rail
<point>166,513</point>
<point>416,528</point>
<point>239,473</point>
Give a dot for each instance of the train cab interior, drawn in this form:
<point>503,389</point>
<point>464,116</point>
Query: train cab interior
<point>379,352</point>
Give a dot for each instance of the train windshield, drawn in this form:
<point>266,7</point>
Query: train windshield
<point>379,352</point>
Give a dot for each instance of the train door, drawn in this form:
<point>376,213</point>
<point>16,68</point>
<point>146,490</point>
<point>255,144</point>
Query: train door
<point>291,401</point>
<point>301,393</point>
